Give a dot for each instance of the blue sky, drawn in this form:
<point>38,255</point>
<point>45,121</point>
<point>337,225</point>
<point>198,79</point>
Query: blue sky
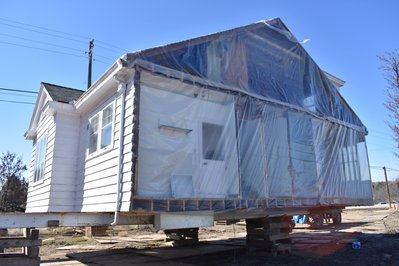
<point>345,39</point>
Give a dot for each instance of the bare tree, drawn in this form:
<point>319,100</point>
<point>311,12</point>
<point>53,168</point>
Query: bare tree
<point>390,66</point>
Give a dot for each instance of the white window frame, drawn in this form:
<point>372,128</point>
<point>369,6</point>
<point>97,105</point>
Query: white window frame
<point>40,159</point>
<point>100,128</point>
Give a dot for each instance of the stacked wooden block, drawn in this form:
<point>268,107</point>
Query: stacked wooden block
<point>31,244</point>
<point>269,234</point>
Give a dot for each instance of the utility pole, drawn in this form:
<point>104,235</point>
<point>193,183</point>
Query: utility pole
<point>386,181</point>
<point>90,53</point>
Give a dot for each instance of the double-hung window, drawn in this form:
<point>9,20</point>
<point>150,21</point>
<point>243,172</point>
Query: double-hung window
<point>40,159</point>
<point>101,129</point>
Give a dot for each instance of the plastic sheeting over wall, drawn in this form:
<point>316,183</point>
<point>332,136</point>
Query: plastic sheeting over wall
<point>199,143</point>
<point>246,114</point>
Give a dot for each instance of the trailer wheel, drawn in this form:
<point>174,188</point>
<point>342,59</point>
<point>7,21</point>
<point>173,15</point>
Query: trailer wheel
<point>337,218</point>
<point>316,221</point>
<point>291,226</point>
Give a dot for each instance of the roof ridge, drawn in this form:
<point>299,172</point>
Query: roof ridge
<point>148,51</point>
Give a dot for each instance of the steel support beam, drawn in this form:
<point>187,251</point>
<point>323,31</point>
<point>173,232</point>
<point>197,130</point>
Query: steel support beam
<point>42,220</point>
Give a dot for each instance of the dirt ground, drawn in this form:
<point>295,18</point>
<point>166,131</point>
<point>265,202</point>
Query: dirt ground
<point>376,229</point>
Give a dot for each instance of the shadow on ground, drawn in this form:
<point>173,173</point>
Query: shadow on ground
<point>312,249</point>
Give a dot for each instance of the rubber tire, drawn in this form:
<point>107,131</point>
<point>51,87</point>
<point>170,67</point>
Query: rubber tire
<point>337,218</point>
<point>316,221</point>
<point>291,226</point>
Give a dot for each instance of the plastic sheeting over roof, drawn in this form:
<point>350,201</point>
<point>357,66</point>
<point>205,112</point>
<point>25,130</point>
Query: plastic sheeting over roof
<point>262,59</point>
<point>245,115</point>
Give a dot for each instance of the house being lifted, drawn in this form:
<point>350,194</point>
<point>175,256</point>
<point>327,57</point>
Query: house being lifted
<point>235,124</point>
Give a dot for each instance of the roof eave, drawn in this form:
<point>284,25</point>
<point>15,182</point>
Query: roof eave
<point>100,86</point>
<point>31,132</point>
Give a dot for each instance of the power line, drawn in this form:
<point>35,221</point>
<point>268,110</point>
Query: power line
<point>42,49</point>
<point>118,51</point>
<point>42,32</point>
<point>372,146</point>
<point>46,43</point>
<point>16,102</point>
<point>380,132</point>
<point>16,90</point>
<point>43,28</point>
<point>16,94</point>
<point>373,135</point>
<point>60,36</point>
<point>381,168</point>
<point>102,62</point>
<point>381,149</point>
<point>23,27</point>
<point>107,58</point>
<point>56,52</point>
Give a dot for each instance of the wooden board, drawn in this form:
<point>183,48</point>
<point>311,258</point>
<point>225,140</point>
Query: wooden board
<point>16,242</point>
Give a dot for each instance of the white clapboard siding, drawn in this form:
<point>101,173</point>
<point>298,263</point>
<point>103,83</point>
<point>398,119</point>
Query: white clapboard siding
<point>39,192</point>
<point>53,188</point>
<point>105,207</point>
<point>64,162</point>
<point>73,180</point>
<point>39,197</point>
<point>45,187</point>
<point>106,180</point>
<point>57,189</point>
<point>104,198</point>
<point>97,174</point>
<point>40,207</point>
<point>113,171</point>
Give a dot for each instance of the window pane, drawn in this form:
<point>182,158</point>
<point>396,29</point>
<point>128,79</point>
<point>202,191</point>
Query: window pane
<point>93,139</point>
<point>93,143</point>
<point>40,159</point>
<point>94,125</point>
<point>212,146</point>
<point>107,116</point>
<point>106,129</point>
<point>35,176</point>
<point>106,136</point>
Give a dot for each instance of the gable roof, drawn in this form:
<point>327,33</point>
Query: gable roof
<point>263,59</point>
<point>62,94</point>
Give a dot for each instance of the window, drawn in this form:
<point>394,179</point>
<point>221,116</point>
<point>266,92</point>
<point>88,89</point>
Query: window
<point>40,159</point>
<point>101,129</point>
<point>212,142</point>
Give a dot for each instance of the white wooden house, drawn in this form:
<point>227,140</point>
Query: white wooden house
<point>242,119</point>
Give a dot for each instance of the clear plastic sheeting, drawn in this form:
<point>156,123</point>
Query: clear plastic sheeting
<point>187,145</point>
<point>246,114</point>
<point>262,59</point>
<point>201,143</point>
